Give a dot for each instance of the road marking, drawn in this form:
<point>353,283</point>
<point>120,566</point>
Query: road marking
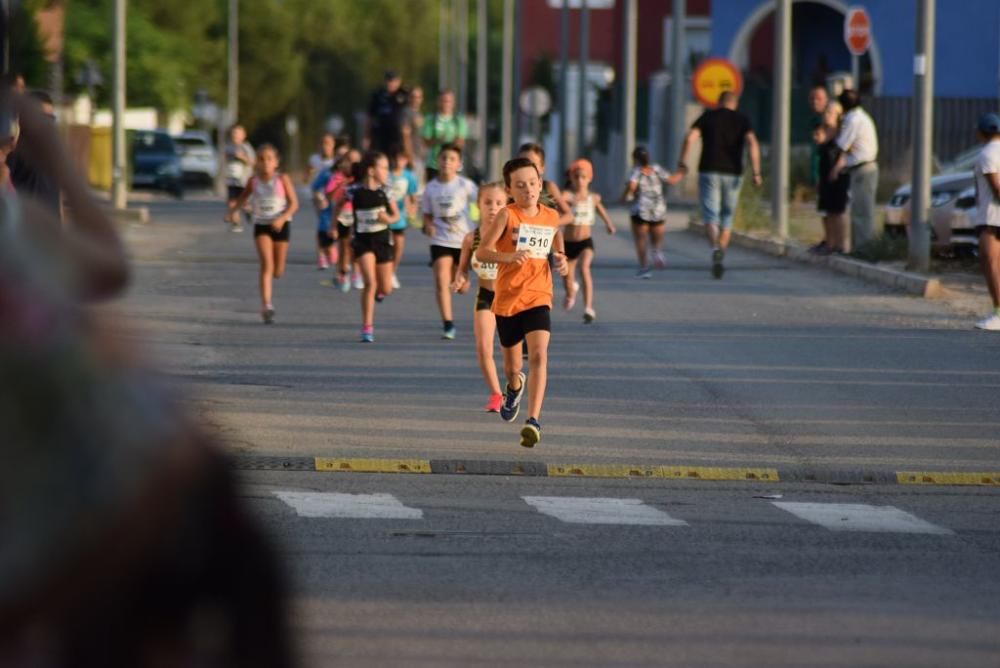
<point>590,510</point>
<point>360,506</point>
<point>991,478</point>
<point>656,471</point>
<point>860,517</point>
<point>373,465</point>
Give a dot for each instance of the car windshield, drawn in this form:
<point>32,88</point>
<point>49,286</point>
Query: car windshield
<point>191,141</point>
<point>963,162</point>
<point>153,142</point>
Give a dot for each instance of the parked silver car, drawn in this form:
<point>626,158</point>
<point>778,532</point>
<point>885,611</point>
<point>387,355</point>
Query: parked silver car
<point>199,161</point>
<point>952,200</point>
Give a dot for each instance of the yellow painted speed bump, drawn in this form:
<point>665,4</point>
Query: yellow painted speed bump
<point>666,472</point>
<point>373,465</point>
<point>991,478</point>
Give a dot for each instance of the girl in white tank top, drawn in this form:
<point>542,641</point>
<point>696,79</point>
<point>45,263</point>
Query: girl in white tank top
<point>586,207</point>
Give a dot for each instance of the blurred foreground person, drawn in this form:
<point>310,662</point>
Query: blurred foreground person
<point>122,542</point>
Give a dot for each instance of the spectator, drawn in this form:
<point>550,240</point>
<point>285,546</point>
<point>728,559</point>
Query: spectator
<point>443,127</point>
<point>384,129</point>
<point>859,142</point>
<point>724,133</point>
<point>987,220</point>
<point>413,135</point>
<point>818,101</point>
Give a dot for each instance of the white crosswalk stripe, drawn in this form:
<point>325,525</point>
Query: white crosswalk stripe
<point>589,510</point>
<point>362,506</point>
<point>860,517</point>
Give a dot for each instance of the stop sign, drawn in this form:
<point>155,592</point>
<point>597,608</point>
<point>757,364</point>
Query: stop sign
<point>857,31</point>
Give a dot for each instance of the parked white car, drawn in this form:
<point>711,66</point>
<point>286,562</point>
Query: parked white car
<point>199,161</point>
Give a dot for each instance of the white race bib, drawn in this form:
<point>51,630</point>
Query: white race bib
<point>367,220</point>
<point>487,271</point>
<point>536,239</point>
<point>269,207</point>
<point>583,213</point>
<point>234,170</point>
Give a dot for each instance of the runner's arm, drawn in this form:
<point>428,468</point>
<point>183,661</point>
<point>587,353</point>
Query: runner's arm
<point>461,282</point>
<point>489,235</point>
<point>391,216</point>
<point>293,202</point>
<point>602,212</point>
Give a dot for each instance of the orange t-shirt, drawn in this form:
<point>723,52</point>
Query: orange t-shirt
<point>519,288</point>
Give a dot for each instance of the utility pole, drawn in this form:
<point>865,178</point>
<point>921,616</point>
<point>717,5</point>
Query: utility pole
<point>506,85</point>
<point>482,147</point>
<point>462,41</point>
<point>118,165</point>
<point>923,129</point>
<point>563,85</point>
<point>444,11</point>
<point>629,60</point>
<point>678,80</point>
<point>781,126</point>
<point>233,81</point>
<point>516,46</point>
<point>581,117</point>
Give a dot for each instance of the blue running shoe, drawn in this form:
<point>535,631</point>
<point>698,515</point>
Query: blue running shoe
<point>449,333</point>
<point>531,433</point>
<point>368,335</point>
<point>512,400</point>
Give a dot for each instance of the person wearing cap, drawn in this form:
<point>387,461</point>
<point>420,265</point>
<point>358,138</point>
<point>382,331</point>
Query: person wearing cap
<point>987,217</point>
<point>384,129</point>
<point>858,141</point>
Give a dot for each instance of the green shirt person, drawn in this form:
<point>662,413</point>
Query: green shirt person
<point>440,128</point>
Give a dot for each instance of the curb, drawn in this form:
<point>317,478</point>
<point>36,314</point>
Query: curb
<point>606,470</point>
<point>138,215</point>
<point>909,282</point>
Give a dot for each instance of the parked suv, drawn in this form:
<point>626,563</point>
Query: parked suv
<point>199,162</point>
<point>156,162</point>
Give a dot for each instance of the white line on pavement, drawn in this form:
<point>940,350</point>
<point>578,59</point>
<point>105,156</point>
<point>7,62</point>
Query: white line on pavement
<point>364,506</point>
<point>589,510</point>
<point>860,517</point>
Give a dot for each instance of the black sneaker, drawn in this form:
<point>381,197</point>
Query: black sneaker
<point>512,400</point>
<point>268,315</point>
<point>531,433</point>
<point>717,269</point>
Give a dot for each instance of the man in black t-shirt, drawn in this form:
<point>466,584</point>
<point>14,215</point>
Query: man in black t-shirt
<point>724,133</point>
<point>384,131</point>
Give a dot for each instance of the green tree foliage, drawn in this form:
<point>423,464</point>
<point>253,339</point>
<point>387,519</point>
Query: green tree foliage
<point>27,53</point>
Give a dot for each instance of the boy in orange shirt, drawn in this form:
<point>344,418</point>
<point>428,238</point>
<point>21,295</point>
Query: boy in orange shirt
<point>520,239</point>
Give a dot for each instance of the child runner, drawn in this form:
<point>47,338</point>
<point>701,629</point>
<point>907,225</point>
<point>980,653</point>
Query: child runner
<point>240,161</point>
<point>520,238</point>
<point>326,248</point>
<point>446,221</point>
<point>586,206</point>
<point>649,209</point>
<point>492,198</point>
<point>402,190</point>
<point>373,212</point>
<point>550,196</point>
<point>336,191</point>
<point>274,202</point>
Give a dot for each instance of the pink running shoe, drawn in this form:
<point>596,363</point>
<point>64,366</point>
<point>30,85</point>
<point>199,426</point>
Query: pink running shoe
<point>493,405</point>
<point>321,262</point>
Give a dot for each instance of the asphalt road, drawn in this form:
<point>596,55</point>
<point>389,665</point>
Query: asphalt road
<point>774,365</point>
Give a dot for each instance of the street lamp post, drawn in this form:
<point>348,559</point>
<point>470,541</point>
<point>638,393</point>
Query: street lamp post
<point>118,168</point>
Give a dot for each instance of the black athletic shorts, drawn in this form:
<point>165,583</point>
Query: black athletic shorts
<point>324,239</point>
<point>233,192</point>
<point>636,220</point>
<point>484,299</point>
<point>344,231</point>
<point>988,229</point>
<point>379,243</point>
<point>513,328</point>
<point>574,248</point>
<point>281,235</point>
<point>442,251</point>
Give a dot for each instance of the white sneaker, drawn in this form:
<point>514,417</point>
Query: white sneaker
<point>357,282</point>
<point>990,323</point>
<point>395,282</point>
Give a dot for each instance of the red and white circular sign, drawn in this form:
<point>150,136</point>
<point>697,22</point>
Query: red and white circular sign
<point>857,31</point>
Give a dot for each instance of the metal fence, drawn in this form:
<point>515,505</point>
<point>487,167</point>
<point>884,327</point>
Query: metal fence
<point>954,128</point>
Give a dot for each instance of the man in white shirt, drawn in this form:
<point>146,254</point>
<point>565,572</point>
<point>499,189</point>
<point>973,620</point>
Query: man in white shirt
<point>859,142</point>
<point>987,220</point>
